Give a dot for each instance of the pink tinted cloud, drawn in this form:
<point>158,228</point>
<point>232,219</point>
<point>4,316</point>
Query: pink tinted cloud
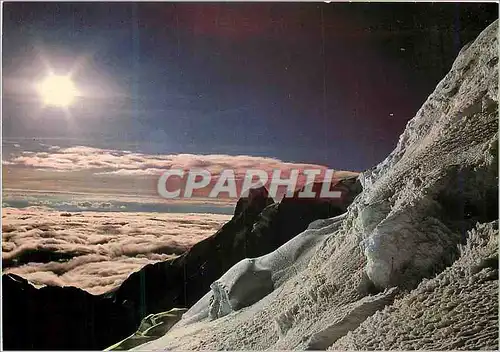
<point>115,161</point>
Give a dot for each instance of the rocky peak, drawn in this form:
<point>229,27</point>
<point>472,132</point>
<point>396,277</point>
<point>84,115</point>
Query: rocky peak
<point>257,200</point>
<point>348,187</point>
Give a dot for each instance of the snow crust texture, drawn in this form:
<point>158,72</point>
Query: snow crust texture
<point>420,240</point>
<point>458,309</point>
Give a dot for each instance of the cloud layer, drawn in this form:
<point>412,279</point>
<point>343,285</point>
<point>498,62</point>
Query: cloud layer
<point>97,170</point>
<point>97,251</point>
<point>118,162</point>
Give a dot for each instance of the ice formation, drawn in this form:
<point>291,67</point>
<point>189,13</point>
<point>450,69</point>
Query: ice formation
<point>251,279</point>
<point>458,309</point>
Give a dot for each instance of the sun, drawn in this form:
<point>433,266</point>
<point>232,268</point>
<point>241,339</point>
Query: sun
<point>57,91</point>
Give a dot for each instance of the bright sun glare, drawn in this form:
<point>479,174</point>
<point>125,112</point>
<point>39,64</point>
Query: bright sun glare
<point>57,91</point>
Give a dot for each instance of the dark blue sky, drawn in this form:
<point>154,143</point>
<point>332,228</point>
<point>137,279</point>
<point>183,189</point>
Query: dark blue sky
<point>332,84</point>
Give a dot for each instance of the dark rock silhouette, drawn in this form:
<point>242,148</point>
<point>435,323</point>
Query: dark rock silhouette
<point>70,318</point>
<point>57,317</point>
<point>37,256</point>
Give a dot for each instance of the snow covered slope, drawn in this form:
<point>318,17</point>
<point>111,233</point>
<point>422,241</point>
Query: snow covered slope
<point>417,208</point>
<point>458,309</point>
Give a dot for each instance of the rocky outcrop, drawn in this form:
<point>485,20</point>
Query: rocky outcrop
<point>418,208</point>
<point>292,215</point>
<point>85,321</point>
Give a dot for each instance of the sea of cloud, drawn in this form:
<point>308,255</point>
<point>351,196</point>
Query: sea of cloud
<point>95,251</point>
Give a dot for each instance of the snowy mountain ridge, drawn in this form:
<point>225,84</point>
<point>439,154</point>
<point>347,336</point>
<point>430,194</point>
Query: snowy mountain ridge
<point>401,243</point>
